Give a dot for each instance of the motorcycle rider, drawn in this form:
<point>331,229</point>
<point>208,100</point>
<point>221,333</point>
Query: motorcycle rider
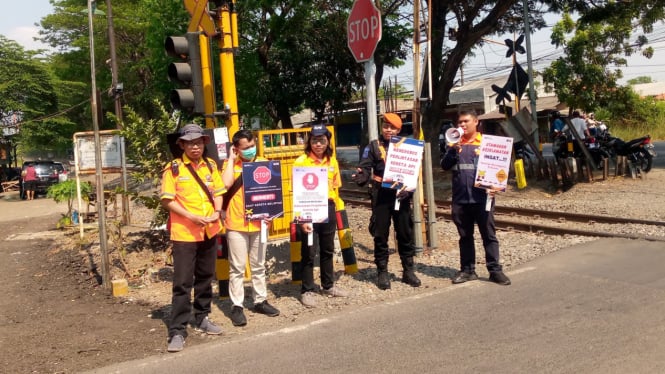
<point>579,124</point>
<point>556,132</point>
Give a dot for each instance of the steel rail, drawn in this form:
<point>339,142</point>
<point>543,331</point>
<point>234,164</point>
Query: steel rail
<point>545,214</point>
<point>509,225</point>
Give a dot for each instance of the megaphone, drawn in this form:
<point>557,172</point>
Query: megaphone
<point>454,135</point>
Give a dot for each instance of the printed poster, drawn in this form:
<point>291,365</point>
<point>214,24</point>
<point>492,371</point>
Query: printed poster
<point>403,163</point>
<point>221,140</point>
<point>310,194</point>
<point>262,184</point>
<point>494,162</point>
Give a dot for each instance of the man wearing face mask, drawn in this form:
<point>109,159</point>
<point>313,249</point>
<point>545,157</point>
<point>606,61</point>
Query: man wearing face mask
<point>243,235</point>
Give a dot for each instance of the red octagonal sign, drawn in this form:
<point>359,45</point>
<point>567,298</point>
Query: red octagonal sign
<point>262,175</point>
<point>363,29</point>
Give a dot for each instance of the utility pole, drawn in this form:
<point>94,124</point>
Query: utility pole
<point>101,211</point>
<point>116,91</point>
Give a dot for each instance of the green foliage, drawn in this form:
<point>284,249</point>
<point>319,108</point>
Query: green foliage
<point>474,21</point>
<point>297,54</point>
<point>640,80</point>
<point>29,94</point>
<point>66,192</point>
<point>598,40</point>
<point>148,150</point>
<point>630,116</point>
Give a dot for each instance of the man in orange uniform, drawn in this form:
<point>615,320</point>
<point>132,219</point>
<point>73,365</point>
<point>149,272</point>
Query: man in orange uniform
<point>243,235</point>
<point>192,192</point>
<point>469,203</point>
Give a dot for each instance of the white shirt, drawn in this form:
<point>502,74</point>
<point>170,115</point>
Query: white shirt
<point>579,125</point>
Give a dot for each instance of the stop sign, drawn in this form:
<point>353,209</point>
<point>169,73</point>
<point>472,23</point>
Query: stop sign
<point>262,175</point>
<point>363,29</point>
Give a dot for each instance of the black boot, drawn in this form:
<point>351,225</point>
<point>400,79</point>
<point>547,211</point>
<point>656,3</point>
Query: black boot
<point>383,277</point>
<point>409,276</point>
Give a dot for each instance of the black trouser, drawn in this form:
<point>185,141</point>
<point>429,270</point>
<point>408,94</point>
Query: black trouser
<point>383,210</point>
<point>326,239</point>
<point>464,217</point>
<point>193,265</point>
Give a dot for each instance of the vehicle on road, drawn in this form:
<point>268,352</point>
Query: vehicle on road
<point>48,174</point>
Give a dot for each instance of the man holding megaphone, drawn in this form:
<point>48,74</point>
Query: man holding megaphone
<point>469,202</point>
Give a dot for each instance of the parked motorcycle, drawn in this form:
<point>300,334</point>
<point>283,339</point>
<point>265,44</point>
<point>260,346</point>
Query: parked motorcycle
<point>565,146</point>
<point>639,151</point>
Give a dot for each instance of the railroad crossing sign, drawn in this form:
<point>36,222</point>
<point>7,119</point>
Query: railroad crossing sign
<point>197,9</point>
<point>363,29</point>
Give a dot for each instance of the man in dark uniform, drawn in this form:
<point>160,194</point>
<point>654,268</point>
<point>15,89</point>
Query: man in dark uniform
<point>372,165</point>
<point>468,206</point>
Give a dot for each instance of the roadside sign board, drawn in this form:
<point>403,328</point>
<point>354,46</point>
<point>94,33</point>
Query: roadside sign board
<point>363,29</point>
<point>111,151</point>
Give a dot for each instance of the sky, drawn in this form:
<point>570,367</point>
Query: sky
<point>18,18</point>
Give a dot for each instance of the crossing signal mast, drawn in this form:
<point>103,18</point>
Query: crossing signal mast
<point>193,68</point>
<point>186,72</point>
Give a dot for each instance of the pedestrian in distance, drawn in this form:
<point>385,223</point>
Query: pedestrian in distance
<point>319,153</point>
<point>243,235</point>
<point>192,192</point>
<point>469,203</point>
<point>372,165</point>
<point>29,181</point>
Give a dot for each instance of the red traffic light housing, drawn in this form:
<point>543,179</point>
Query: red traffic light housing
<point>187,73</point>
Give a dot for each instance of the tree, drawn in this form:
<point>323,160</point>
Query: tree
<point>296,54</point>
<point>473,21</point>
<point>601,37</point>
<point>30,100</point>
<point>640,80</point>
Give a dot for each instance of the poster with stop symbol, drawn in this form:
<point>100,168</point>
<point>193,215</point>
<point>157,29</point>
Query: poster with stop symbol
<point>310,194</point>
<point>262,184</point>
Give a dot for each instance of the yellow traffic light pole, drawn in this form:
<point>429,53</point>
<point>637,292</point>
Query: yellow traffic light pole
<point>227,24</point>
<point>207,82</point>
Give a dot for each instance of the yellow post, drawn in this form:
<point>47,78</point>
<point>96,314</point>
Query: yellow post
<point>346,240</point>
<point>208,86</point>
<point>228,42</point>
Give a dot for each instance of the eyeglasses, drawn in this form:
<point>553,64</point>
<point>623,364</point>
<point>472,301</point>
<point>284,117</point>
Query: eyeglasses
<point>194,143</point>
<point>320,141</point>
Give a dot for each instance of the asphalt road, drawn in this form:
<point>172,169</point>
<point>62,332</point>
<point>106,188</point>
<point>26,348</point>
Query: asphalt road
<point>592,308</point>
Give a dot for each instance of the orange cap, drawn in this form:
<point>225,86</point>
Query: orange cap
<point>393,119</point>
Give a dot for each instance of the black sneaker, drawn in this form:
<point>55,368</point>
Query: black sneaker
<point>499,277</point>
<point>464,276</point>
<point>267,309</point>
<point>238,316</point>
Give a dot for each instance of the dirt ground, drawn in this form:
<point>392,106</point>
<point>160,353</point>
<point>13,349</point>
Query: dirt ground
<point>56,318</point>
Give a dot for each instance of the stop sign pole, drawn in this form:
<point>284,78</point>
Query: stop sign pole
<point>363,34</point>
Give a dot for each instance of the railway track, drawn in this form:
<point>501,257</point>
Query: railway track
<point>540,221</point>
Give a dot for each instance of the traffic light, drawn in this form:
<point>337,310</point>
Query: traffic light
<point>187,73</point>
